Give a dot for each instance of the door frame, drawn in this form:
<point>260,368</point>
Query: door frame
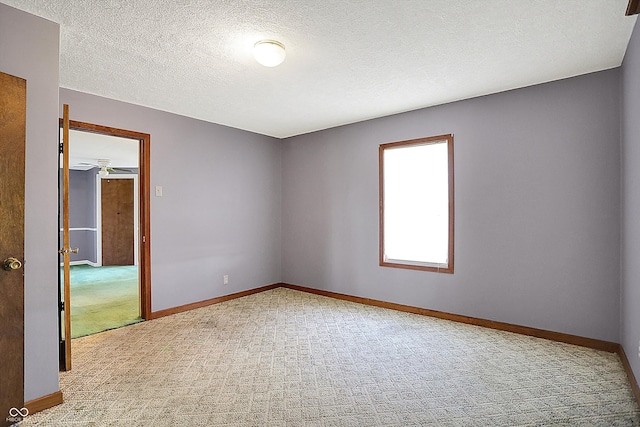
<point>144,205</point>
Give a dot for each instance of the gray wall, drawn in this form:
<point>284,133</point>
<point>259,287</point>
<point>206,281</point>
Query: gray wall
<point>536,217</point>
<point>220,213</point>
<point>82,198</point>
<point>29,49</point>
<point>630,285</point>
<point>82,214</point>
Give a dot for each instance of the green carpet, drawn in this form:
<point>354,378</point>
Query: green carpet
<point>103,298</point>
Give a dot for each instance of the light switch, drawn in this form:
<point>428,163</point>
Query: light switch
<point>158,191</point>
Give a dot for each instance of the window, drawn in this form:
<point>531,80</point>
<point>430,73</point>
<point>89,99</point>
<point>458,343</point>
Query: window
<point>416,204</point>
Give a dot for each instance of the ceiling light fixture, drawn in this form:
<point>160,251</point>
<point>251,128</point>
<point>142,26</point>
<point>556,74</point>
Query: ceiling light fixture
<point>104,167</point>
<point>269,53</point>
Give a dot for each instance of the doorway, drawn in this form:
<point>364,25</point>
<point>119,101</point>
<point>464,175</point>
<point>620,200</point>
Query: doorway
<point>109,224</point>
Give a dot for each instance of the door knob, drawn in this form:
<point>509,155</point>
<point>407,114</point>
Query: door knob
<point>11,263</point>
<point>68,251</point>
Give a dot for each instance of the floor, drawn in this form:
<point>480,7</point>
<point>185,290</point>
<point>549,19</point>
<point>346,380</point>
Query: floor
<point>288,358</point>
<point>103,298</point>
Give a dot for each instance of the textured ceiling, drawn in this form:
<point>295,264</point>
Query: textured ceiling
<point>347,60</point>
<point>86,149</point>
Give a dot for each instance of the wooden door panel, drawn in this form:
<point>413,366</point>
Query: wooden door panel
<point>65,345</point>
<point>117,221</point>
<point>13,122</point>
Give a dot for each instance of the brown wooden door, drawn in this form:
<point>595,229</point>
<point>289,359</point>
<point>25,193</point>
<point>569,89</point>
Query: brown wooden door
<point>13,122</point>
<point>65,346</point>
<point>117,221</point>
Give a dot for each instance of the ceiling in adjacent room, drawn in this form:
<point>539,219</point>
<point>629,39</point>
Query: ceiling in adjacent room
<point>347,60</point>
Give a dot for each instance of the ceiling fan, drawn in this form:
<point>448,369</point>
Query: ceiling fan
<point>105,167</point>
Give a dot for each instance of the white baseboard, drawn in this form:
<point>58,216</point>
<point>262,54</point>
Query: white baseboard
<point>83,262</point>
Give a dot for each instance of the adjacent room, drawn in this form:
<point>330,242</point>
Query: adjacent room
<point>407,213</point>
<point>103,223</point>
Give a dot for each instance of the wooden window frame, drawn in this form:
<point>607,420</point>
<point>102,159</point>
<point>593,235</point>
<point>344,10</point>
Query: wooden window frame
<point>413,265</point>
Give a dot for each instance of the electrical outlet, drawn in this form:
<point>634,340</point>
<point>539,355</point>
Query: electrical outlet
<point>638,350</point>
<point>225,279</point>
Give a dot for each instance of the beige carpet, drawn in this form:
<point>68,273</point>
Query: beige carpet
<point>287,358</point>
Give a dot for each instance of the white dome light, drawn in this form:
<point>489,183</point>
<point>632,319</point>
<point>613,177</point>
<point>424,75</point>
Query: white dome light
<point>269,53</point>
